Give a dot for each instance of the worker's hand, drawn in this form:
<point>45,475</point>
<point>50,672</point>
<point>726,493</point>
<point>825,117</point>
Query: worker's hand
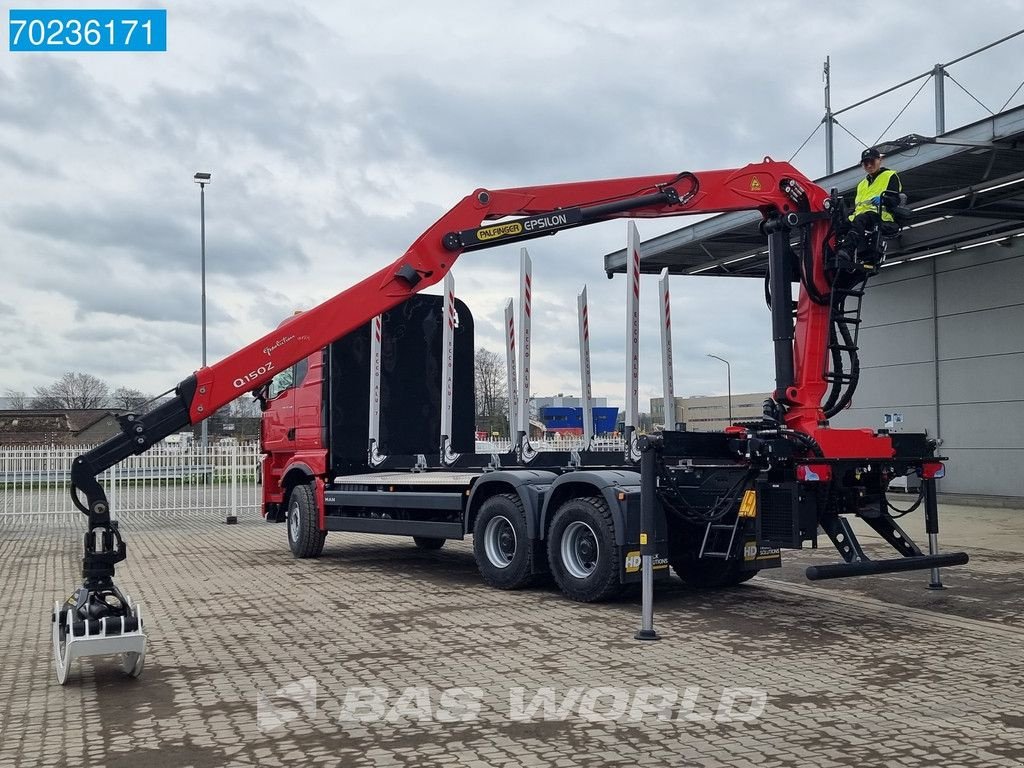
<point>889,198</point>
<point>876,201</point>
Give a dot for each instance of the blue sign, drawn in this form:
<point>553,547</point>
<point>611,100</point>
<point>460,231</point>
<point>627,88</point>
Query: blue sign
<point>87,30</point>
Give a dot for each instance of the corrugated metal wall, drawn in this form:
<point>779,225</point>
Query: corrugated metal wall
<point>942,343</point>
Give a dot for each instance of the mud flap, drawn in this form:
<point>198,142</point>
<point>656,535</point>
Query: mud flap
<point>756,556</point>
<point>630,571</point>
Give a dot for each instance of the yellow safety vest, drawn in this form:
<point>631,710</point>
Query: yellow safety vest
<point>867,192</point>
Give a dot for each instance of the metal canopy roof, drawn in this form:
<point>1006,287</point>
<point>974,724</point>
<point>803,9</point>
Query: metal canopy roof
<point>966,187</point>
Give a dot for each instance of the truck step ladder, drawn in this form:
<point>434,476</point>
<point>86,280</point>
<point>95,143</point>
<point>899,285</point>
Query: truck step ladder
<point>714,534</point>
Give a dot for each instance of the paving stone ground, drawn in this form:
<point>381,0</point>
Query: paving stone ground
<point>257,659</point>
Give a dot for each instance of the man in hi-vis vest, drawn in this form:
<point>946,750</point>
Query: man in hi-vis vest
<point>877,194</point>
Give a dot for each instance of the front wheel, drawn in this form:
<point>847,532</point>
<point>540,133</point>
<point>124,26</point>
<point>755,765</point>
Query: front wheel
<point>582,550</point>
<point>305,539</point>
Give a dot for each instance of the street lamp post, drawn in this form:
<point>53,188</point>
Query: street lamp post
<point>728,379</point>
<point>202,179</point>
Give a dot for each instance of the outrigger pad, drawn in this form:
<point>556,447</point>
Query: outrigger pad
<point>75,638</point>
<point>871,567</point>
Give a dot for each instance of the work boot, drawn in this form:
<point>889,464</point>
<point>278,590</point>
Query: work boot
<point>845,253</point>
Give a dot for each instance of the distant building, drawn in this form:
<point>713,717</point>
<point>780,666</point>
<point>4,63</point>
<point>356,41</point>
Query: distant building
<point>57,426</point>
<point>709,414</point>
<point>562,401</point>
<point>566,420</point>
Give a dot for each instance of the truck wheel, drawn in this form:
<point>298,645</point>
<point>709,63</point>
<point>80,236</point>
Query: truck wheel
<point>428,542</point>
<point>582,550</point>
<point>710,574</point>
<point>305,539</point>
<point>504,552</point>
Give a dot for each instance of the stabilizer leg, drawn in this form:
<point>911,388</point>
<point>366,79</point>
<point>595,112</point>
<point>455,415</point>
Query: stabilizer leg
<point>859,564</point>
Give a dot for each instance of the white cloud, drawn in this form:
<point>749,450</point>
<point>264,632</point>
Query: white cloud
<point>338,132</point>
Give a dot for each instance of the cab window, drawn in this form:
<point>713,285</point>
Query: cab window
<point>283,381</point>
<point>300,370</point>
<point>288,378</point>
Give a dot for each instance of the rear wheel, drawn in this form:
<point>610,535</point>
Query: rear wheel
<point>504,552</point>
<point>428,542</point>
<point>305,539</point>
<point>582,550</point>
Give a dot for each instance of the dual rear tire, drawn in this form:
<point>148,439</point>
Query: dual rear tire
<point>581,551</point>
<point>504,552</point>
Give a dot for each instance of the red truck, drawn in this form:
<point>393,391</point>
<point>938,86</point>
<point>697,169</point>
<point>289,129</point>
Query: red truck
<point>716,507</point>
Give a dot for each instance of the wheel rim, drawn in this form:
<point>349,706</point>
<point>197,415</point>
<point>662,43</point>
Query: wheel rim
<point>580,550</point>
<point>500,541</point>
<point>293,522</point>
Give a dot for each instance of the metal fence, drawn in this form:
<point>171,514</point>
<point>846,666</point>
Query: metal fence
<point>554,444</point>
<point>168,480</point>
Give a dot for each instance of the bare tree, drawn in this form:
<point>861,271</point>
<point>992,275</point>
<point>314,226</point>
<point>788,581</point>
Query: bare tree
<point>128,399</point>
<point>72,390</point>
<point>491,391</point>
<point>18,401</point>
<point>245,406</point>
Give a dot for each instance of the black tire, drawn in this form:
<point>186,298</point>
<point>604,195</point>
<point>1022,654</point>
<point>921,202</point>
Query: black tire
<point>586,569</point>
<point>503,550</point>
<point>710,574</point>
<point>305,539</point>
<point>428,542</point>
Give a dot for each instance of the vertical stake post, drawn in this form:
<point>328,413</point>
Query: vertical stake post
<point>648,445</point>
<point>586,391</point>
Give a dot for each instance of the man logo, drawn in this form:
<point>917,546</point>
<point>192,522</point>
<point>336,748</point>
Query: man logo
<point>285,704</point>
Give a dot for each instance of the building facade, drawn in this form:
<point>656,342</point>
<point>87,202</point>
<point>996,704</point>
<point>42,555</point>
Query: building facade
<point>942,352</point>
<point>562,401</point>
<point>563,421</point>
<point>709,413</point>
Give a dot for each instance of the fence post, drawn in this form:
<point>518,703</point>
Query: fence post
<point>232,517</point>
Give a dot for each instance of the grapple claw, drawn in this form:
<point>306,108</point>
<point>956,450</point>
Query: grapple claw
<point>79,631</point>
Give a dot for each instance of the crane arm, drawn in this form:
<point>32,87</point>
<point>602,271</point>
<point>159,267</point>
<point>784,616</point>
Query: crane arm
<point>773,188</point>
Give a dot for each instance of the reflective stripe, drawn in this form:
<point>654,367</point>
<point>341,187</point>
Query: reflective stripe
<point>868,191</point>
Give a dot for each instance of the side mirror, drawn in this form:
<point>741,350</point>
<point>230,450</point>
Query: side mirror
<point>260,394</point>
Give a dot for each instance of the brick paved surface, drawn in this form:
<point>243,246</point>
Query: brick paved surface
<point>866,672</point>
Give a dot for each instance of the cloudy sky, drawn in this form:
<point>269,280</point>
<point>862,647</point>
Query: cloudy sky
<point>337,132</point>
